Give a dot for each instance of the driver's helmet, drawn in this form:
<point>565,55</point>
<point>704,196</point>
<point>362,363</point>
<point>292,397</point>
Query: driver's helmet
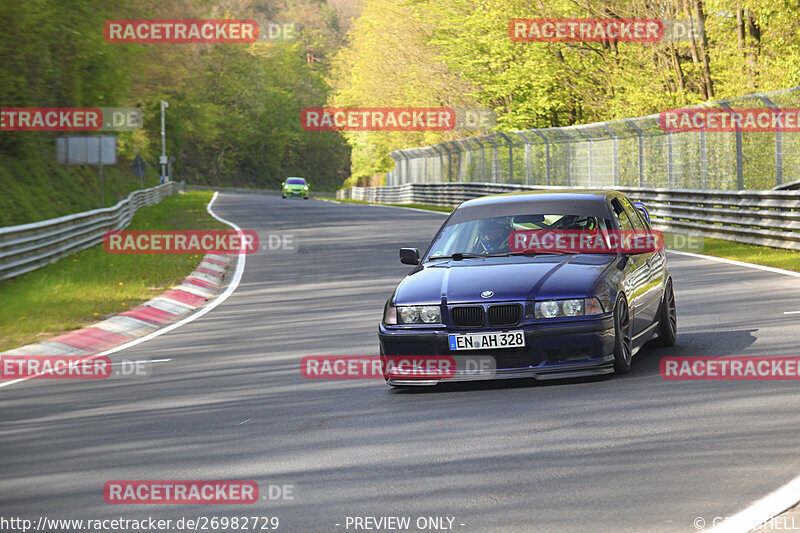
<point>493,235</point>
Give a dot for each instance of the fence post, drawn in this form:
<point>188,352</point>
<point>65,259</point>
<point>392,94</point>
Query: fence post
<point>441,160</point>
<point>510,156</point>
<point>739,154</point>
<point>527,159</point>
<point>483,162</point>
<point>614,155</point>
<point>590,162</point>
<point>495,159</point>
<point>778,143</point>
<point>670,176</point>
<point>640,135</point>
<point>703,161</point>
<point>471,177</point>
<point>546,155</point>
<point>567,143</point>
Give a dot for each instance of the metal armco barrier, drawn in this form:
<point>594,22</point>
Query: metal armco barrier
<point>767,218</point>
<point>31,246</point>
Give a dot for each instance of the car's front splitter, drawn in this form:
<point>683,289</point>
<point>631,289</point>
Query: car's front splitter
<point>552,351</point>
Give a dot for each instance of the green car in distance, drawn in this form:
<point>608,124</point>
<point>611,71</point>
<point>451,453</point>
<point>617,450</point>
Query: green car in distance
<point>294,187</point>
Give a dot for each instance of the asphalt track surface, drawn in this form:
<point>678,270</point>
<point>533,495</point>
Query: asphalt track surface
<point>619,454</point>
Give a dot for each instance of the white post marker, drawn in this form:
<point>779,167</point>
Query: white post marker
<point>163,159</point>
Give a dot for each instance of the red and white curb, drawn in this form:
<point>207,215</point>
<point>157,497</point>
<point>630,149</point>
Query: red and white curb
<point>193,292</point>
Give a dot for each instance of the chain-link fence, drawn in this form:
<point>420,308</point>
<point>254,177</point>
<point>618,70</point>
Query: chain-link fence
<point>633,152</point>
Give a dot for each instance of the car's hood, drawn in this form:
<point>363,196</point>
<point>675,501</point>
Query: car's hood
<point>509,278</point>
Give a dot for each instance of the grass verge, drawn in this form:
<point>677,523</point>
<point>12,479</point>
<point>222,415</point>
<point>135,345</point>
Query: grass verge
<point>748,253</point>
<point>34,188</point>
<point>91,285</point>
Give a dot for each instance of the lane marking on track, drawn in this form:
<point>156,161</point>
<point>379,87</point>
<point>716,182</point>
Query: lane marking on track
<point>774,270</point>
<point>142,361</point>
<point>760,512</point>
<point>237,277</point>
<point>791,312</point>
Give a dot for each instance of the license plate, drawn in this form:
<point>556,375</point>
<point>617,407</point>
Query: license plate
<point>486,341</point>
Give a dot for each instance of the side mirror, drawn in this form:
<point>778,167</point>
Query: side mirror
<point>283,184</point>
<point>643,210</point>
<point>409,256</point>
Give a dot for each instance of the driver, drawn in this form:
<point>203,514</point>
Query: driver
<point>493,236</point>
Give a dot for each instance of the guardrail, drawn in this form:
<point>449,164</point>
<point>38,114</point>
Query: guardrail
<point>767,218</point>
<point>31,246</point>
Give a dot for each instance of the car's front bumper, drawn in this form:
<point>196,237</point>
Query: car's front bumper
<point>563,349</point>
<point>293,192</point>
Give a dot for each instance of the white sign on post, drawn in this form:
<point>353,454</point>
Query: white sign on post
<point>86,150</point>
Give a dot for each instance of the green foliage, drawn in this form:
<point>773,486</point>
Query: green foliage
<point>461,48</point>
<point>234,115</point>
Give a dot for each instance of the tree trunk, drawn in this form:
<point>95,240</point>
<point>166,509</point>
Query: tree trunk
<point>693,46</point>
<point>701,22</point>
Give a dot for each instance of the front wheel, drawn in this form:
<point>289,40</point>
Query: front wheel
<point>623,353</point>
<point>668,318</point>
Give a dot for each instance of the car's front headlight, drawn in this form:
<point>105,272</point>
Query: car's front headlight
<point>565,308</point>
<point>305,188</point>
<point>413,314</point>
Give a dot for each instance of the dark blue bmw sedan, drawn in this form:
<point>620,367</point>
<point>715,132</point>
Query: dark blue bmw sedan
<point>503,311</point>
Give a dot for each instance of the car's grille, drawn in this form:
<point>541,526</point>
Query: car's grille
<point>504,315</point>
<point>467,317</point>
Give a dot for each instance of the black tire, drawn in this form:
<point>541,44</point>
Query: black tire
<point>623,334</point>
<point>306,198</point>
<point>283,196</point>
<point>668,318</point>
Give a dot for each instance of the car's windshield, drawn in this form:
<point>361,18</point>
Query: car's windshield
<point>295,181</point>
<point>490,236</point>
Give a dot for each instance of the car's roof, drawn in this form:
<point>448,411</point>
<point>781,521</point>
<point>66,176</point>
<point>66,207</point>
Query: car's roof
<point>548,195</point>
<point>587,202</point>
<point>295,178</point>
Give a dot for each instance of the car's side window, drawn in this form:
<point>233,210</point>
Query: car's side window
<point>636,218</point>
<point>622,218</point>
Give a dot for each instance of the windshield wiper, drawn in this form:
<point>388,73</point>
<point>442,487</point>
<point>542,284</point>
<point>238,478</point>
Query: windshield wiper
<point>458,256</point>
